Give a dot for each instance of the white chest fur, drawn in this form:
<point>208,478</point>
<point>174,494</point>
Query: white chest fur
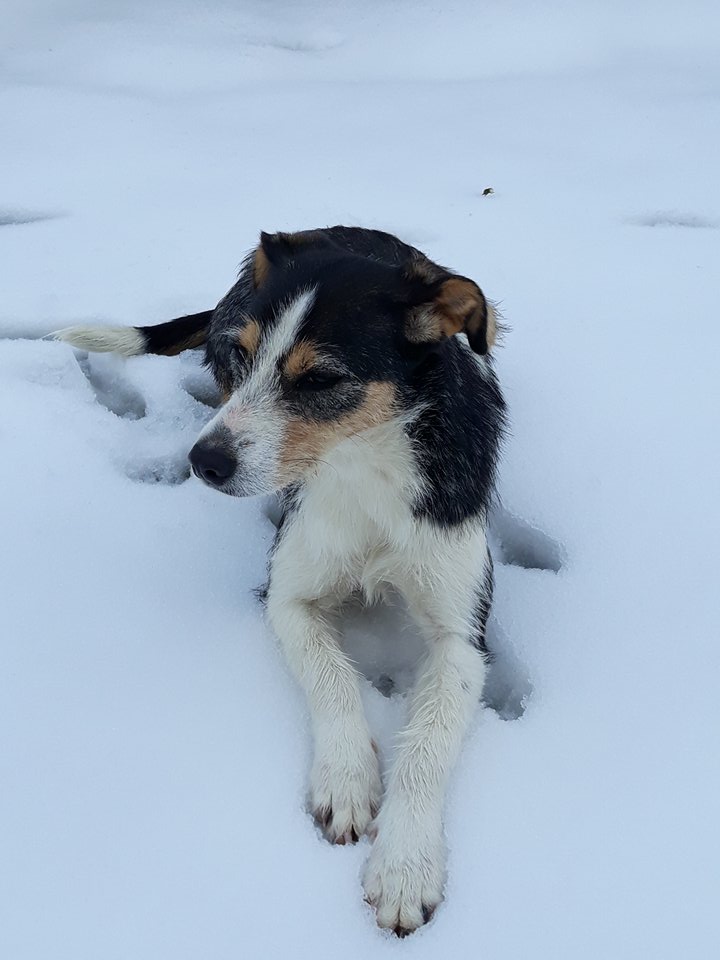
<point>355,520</point>
<point>354,528</point>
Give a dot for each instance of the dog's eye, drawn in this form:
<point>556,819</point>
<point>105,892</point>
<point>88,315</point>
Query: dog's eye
<point>239,359</point>
<point>315,380</point>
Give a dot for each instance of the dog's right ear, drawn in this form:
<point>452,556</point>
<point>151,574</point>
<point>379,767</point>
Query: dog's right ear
<point>442,304</point>
<point>278,250</point>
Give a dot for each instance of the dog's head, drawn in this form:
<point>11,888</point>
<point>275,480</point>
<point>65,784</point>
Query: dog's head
<point>316,344</point>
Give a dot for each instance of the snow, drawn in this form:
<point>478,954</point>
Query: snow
<point>154,748</point>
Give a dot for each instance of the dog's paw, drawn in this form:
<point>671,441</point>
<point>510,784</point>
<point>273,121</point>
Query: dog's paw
<point>404,879</point>
<point>345,791</point>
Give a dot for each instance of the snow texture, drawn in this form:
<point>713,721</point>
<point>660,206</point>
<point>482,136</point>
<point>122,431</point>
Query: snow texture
<point>154,749</point>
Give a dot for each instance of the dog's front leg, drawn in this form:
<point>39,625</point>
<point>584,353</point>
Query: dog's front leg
<point>345,782</point>
<point>405,874</point>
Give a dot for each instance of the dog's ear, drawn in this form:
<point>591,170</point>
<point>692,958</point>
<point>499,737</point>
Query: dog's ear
<point>441,304</point>
<point>278,250</point>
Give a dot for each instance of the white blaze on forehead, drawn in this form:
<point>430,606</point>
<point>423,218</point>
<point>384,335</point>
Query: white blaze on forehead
<point>250,409</point>
<point>264,378</point>
<point>281,337</point>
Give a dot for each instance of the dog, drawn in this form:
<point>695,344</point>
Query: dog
<point>357,384</point>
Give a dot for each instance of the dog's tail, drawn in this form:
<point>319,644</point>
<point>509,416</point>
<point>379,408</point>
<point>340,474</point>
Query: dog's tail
<point>169,339</point>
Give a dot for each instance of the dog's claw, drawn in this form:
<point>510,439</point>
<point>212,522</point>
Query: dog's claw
<point>350,836</point>
<point>323,818</point>
<point>427,912</point>
<point>403,886</point>
<point>344,798</point>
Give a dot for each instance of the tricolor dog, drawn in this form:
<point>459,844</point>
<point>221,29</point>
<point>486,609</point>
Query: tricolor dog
<point>358,385</point>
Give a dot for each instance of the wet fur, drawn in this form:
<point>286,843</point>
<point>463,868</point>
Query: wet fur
<point>386,477</point>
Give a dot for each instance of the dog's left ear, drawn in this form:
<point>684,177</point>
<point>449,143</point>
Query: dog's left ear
<point>278,250</point>
<point>443,304</point>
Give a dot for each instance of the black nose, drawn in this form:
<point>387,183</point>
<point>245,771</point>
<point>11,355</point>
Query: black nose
<point>212,464</point>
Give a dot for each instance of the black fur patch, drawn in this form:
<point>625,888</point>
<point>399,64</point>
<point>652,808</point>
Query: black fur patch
<point>457,437</point>
<point>482,610</point>
<point>364,288</point>
<point>184,333</point>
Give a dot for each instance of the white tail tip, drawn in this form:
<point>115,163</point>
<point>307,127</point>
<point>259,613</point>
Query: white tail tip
<point>127,341</point>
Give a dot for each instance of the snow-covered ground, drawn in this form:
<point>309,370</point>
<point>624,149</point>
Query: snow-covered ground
<point>154,749</point>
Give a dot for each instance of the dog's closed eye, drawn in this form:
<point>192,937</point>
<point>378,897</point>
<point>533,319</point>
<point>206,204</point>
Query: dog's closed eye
<point>318,380</point>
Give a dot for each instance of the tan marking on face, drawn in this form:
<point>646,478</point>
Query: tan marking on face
<point>305,441</point>
<point>303,357</point>
<point>249,337</point>
<point>261,267</point>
